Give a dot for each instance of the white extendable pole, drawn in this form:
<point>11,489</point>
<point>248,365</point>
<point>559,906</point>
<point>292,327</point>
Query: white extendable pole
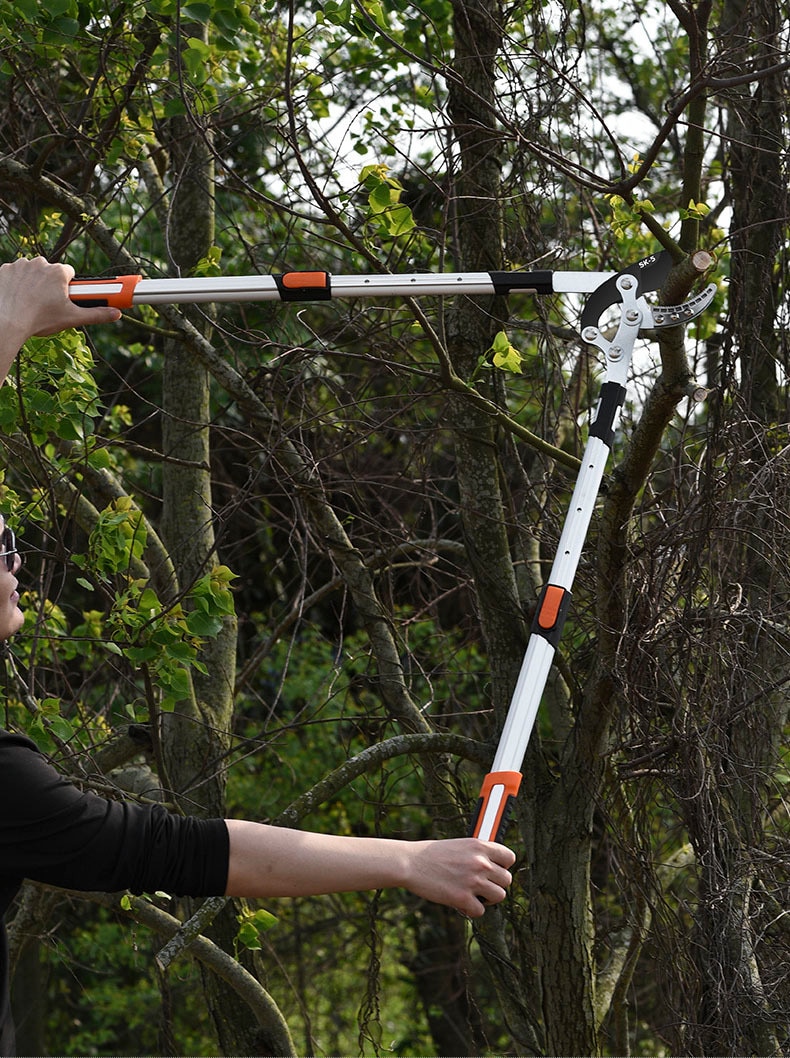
<point>126,291</point>
<point>501,785</point>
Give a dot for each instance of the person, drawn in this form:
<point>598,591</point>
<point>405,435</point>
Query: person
<point>54,832</point>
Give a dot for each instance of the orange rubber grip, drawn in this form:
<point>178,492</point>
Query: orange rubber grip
<point>509,782</point>
<point>117,292</point>
<point>550,606</point>
<point>305,280</point>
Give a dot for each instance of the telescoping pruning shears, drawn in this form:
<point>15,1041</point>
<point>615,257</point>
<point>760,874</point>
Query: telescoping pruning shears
<point>607,290</point>
<point>626,288</point>
<point>124,292</point>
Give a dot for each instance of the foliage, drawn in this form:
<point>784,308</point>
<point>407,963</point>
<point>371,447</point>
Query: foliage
<point>118,1006</point>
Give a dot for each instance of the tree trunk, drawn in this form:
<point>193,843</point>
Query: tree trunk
<point>196,734</point>
<point>441,972</point>
<point>756,154</point>
<point>734,738</point>
<point>28,1001</point>
<point>470,328</point>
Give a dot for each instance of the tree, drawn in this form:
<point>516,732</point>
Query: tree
<point>402,487</point>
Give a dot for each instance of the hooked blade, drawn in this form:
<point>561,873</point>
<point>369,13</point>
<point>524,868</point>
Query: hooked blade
<point>650,273</point>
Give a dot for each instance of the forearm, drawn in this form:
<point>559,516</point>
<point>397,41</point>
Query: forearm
<point>268,861</point>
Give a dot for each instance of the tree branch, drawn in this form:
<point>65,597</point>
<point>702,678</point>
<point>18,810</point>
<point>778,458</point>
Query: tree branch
<point>357,765</point>
<point>264,1008</point>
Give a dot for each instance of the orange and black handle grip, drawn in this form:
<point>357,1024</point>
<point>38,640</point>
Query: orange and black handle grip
<point>497,794</point>
<point>123,292</point>
<point>551,612</point>
<point>304,286</point>
<point>95,293</point>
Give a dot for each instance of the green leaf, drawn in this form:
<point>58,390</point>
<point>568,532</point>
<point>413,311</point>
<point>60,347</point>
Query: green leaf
<point>99,458</point>
<point>175,107</point>
<point>380,198</point>
<point>398,220</point>
<point>141,655</point>
<point>61,30</point>
<point>195,12</point>
<point>209,264</point>
<point>28,9</point>
<point>181,651</point>
<point>203,624</point>
<point>338,12</point>
<point>505,355</point>
<point>149,601</point>
<point>252,924</point>
<point>176,682</point>
<point>62,728</point>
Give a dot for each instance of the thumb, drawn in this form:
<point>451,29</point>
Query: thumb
<point>83,317</point>
<point>103,315</point>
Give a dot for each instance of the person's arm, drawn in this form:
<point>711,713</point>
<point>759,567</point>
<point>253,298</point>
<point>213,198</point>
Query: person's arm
<point>34,300</point>
<point>267,861</point>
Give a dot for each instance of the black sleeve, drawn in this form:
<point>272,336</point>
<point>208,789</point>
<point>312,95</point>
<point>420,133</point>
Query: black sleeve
<point>50,831</point>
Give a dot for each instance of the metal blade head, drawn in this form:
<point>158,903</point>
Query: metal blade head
<point>650,273</point>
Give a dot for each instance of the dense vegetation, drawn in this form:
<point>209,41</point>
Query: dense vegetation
<point>282,559</point>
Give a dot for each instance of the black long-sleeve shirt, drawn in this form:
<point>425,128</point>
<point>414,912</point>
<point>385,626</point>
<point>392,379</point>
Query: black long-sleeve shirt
<point>53,832</point>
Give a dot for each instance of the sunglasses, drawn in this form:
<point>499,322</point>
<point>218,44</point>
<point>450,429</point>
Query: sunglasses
<point>9,549</point>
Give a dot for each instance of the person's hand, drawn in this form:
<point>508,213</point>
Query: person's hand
<point>34,301</point>
<point>463,873</point>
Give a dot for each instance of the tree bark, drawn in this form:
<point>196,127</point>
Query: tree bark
<point>756,152</point>
<point>736,737</point>
<point>196,735</point>
<point>471,326</point>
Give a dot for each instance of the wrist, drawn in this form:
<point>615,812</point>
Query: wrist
<point>405,859</point>
<point>10,345</point>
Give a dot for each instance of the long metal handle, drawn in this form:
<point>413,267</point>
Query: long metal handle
<point>501,785</point>
<point>126,291</point>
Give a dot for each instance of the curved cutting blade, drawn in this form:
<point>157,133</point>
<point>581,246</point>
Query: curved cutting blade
<point>650,273</point>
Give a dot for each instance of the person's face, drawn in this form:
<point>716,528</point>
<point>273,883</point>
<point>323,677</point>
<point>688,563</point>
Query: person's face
<point>11,617</point>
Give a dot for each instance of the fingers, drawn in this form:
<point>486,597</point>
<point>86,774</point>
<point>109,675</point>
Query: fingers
<point>458,872</point>
<point>64,313</point>
<point>34,299</point>
<point>500,853</point>
<point>474,905</point>
<point>491,881</point>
